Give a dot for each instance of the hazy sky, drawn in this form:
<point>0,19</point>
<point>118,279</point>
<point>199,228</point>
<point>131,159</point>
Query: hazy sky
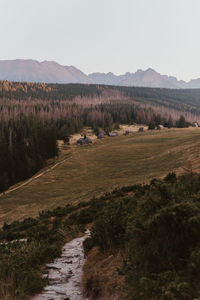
<point>105,35</point>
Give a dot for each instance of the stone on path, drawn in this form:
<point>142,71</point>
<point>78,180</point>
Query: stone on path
<point>65,273</point>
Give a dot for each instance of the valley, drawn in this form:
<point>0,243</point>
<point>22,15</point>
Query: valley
<point>90,171</point>
<point>77,157</point>
<point>99,150</point>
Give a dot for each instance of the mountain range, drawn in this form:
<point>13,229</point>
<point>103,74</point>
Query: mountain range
<point>52,72</point>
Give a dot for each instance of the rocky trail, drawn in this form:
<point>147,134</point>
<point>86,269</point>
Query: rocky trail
<point>65,273</point>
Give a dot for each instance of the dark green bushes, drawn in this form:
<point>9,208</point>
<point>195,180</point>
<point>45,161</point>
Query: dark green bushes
<point>157,230</point>
<point>19,268</point>
<point>155,227</point>
<point>21,262</point>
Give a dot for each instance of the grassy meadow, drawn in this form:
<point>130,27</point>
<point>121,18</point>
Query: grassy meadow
<point>113,162</point>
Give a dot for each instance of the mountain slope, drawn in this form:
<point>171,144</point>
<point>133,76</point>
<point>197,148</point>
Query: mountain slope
<point>34,71</point>
<point>148,78</point>
<point>52,72</point>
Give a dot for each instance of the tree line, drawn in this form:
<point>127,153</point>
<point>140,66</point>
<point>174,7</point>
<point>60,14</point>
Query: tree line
<point>25,145</point>
<point>29,127</point>
<point>181,100</point>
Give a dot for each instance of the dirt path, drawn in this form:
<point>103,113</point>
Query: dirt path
<point>33,178</point>
<point>65,273</point>
<point>74,139</point>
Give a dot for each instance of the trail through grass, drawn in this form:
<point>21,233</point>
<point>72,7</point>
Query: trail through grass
<point>114,162</point>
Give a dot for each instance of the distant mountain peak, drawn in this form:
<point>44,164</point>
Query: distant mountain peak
<point>45,71</point>
<point>139,71</point>
<point>151,70</point>
<point>52,72</point>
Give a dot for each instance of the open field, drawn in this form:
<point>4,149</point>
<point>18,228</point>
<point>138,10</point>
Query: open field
<point>92,170</point>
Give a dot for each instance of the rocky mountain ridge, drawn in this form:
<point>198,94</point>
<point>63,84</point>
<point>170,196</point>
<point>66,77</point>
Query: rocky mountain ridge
<point>52,72</point>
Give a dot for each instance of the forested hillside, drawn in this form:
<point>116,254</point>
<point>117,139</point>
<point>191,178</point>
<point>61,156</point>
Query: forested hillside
<point>34,116</point>
<point>25,145</point>
<point>185,100</point>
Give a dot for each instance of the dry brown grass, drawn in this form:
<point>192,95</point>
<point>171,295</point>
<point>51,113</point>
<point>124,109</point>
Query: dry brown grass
<point>86,131</point>
<point>101,279</point>
<point>133,128</point>
<point>6,290</point>
<point>113,162</point>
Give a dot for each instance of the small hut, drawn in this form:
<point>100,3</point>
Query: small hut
<point>113,134</point>
<point>84,141</point>
<point>88,140</point>
<point>81,141</point>
<point>128,132</point>
<point>101,134</point>
<point>159,127</point>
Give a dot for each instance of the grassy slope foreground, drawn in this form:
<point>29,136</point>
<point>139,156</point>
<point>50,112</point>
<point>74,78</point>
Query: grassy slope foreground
<point>113,162</point>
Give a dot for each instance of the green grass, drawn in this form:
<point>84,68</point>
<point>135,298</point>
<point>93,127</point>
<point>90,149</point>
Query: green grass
<point>113,162</point>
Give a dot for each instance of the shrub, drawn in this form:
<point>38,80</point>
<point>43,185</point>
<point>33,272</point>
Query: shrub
<point>157,230</point>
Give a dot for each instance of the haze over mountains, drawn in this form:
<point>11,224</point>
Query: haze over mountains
<point>52,72</point>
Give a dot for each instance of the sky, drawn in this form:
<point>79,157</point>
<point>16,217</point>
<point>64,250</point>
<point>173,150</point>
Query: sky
<point>105,35</point>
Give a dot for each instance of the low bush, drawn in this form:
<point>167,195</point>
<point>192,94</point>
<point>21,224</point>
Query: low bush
<point>21,262</point>
<point>157,231</point>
